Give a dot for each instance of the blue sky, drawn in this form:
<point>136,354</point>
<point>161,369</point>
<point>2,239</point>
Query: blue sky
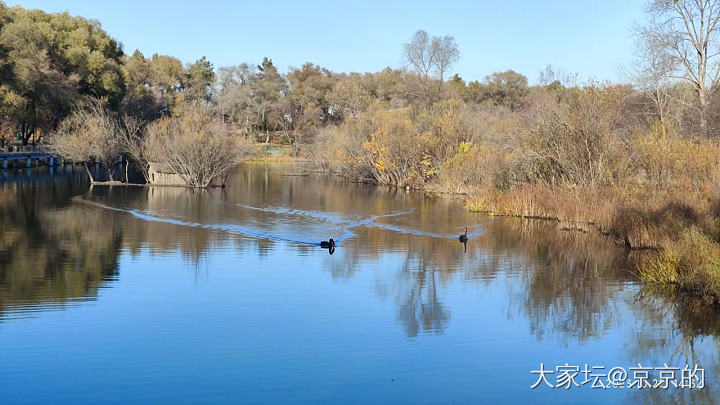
<point>591,38</point>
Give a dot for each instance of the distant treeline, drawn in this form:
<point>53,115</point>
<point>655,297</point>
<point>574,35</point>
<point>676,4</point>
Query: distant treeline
<point>50,61</point>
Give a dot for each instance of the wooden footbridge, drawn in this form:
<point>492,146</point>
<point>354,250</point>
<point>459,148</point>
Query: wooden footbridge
<point>27,158</point>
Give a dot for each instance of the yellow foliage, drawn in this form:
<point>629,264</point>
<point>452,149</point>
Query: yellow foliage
<point>665,159</point>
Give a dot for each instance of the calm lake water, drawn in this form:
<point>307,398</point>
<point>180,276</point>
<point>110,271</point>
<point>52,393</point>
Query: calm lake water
<point>166,295</point>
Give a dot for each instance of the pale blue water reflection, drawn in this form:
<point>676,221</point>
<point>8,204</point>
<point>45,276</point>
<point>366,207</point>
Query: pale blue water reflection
<point>169,295</point>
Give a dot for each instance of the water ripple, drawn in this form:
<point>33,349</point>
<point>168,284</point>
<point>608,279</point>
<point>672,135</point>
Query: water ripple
<point>348,225</point>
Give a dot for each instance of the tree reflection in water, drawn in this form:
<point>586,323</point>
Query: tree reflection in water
<point>675,330</point>
<point>52,255</point>
<point>419,308</point>
<point>569,280</point>
<point>567,286</point>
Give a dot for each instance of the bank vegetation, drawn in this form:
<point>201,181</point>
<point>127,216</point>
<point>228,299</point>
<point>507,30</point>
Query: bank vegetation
<point>637,161</point>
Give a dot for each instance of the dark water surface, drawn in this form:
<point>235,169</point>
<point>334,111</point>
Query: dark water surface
<point>166,295</point>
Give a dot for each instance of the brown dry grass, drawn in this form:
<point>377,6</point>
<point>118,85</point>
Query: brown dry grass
<point>572,155</point>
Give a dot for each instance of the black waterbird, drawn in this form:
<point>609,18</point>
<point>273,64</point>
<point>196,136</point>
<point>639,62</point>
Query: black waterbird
<point>463,238</point>
<point>327,244</point>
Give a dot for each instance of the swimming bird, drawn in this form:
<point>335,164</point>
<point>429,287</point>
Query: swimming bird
<point>326,244</point>
<point>463,238</point>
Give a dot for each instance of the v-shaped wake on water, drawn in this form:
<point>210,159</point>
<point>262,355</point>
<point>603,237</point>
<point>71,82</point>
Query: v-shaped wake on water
<point>347,225</point>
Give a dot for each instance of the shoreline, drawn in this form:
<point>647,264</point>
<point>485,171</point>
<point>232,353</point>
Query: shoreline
<point>629,222</point>
<point>670,226</point>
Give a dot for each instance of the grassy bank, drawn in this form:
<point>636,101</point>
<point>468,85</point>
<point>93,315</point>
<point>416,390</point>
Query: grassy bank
<point>679,228</point>
<point>585,157</point>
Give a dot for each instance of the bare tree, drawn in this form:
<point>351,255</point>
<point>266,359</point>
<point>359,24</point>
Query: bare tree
<point>652,75</point>
<point>431,58</point>
<point>282,112</point>
<point>89,134</point>
<point>132,142</point>
<point>194,145</point>
<point>688,30</point>
<point>235,98</point>
<point>558,77</point>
